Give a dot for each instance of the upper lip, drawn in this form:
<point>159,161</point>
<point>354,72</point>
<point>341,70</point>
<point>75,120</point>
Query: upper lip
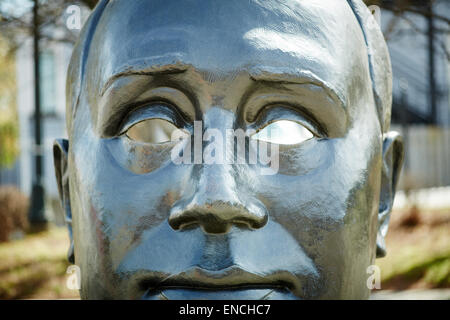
<point>232,277</point>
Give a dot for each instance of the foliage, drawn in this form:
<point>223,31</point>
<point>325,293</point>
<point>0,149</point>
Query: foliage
<point>8,114</point>
<point>402,12</point>
<point>51,12</point>
<point>17,24</point>
<point>13,212</point>
<point>418,255</point>
<point>8,143</point>
<point>35,267</point>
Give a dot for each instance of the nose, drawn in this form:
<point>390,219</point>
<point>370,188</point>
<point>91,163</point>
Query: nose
<point>217,204</point>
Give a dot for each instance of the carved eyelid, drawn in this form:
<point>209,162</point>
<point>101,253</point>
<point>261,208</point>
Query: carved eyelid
<point>151,111</point>
<point>279,112</point>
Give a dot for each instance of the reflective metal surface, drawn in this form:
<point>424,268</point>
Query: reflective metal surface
<point>147,227</point>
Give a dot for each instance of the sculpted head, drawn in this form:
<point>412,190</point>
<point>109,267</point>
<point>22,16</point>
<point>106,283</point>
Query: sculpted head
<point>304,225</point>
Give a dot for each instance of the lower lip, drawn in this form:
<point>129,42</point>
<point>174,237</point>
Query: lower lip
<point>224,294</point>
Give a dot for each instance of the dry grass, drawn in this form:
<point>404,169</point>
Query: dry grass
<point>418,245</point>
<point>13,212</point>
<point>35,267</point>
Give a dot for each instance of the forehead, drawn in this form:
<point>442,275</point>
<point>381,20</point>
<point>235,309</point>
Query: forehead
<point>222,37</point>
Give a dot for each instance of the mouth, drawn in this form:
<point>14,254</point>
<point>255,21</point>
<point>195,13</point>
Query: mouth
<point>232,281</point>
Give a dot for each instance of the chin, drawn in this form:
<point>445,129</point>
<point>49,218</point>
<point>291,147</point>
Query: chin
<point>226,294</point>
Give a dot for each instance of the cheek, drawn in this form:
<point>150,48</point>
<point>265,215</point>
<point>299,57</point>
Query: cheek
<point>331,210</point>
<point>114,205</point>
<point>319,184</point>
<point>139,158</point>
<point>303,159</point>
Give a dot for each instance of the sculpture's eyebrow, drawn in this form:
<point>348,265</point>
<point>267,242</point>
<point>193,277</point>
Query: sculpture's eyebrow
<point>153,70</point>
<point>321,101</point>
<point>114,105</point>
<point>304,78</point>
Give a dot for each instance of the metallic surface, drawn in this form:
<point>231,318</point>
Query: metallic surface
<point>144,227</point>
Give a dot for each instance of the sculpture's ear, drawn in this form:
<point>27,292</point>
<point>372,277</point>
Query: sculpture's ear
<point>60,154</point>
<point>392,164</point>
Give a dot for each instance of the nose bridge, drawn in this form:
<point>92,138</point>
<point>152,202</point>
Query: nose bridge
<point>216,181</point>
<point>218,201</point>
<point>216,184</point>
<point>218,119</point>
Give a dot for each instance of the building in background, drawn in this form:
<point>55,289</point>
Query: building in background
<point>410,55</point>
<point>54,60</point>
<point>426,131</point>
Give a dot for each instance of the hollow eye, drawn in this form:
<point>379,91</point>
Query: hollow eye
<point>156,131</point>
<point>283,132</point>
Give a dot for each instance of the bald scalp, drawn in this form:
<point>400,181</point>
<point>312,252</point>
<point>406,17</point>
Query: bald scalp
<point>379,62</point>
<point>378,59</point>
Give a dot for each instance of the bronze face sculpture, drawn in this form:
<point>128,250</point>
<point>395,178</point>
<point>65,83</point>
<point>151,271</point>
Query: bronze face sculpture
<point>146,226</point>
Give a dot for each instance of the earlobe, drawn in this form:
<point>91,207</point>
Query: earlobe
<point>60,156</point>
<point>393,154</point>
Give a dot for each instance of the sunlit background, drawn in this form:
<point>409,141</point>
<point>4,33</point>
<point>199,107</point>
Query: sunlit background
<point>33,239</point>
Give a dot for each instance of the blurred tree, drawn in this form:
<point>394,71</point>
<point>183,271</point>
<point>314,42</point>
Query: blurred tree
<point>16,20</point>
<point>403,10</point>
<point>400,7</point>
<point>8,114</point>
<point>90,3</point>
<point>52,12</point>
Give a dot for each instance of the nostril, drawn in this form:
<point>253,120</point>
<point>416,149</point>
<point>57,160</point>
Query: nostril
<point>216,228</point>
<point>254,223</point>
<point>217,217</point>
<point>181,220</point>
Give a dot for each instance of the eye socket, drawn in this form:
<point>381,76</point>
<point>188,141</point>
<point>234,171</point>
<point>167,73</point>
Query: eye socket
<point>155,131</point>
<point>283,132</point>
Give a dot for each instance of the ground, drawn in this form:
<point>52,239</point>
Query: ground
<point>35,267</point>
<point>418,246</point>
<point>418,251</point>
